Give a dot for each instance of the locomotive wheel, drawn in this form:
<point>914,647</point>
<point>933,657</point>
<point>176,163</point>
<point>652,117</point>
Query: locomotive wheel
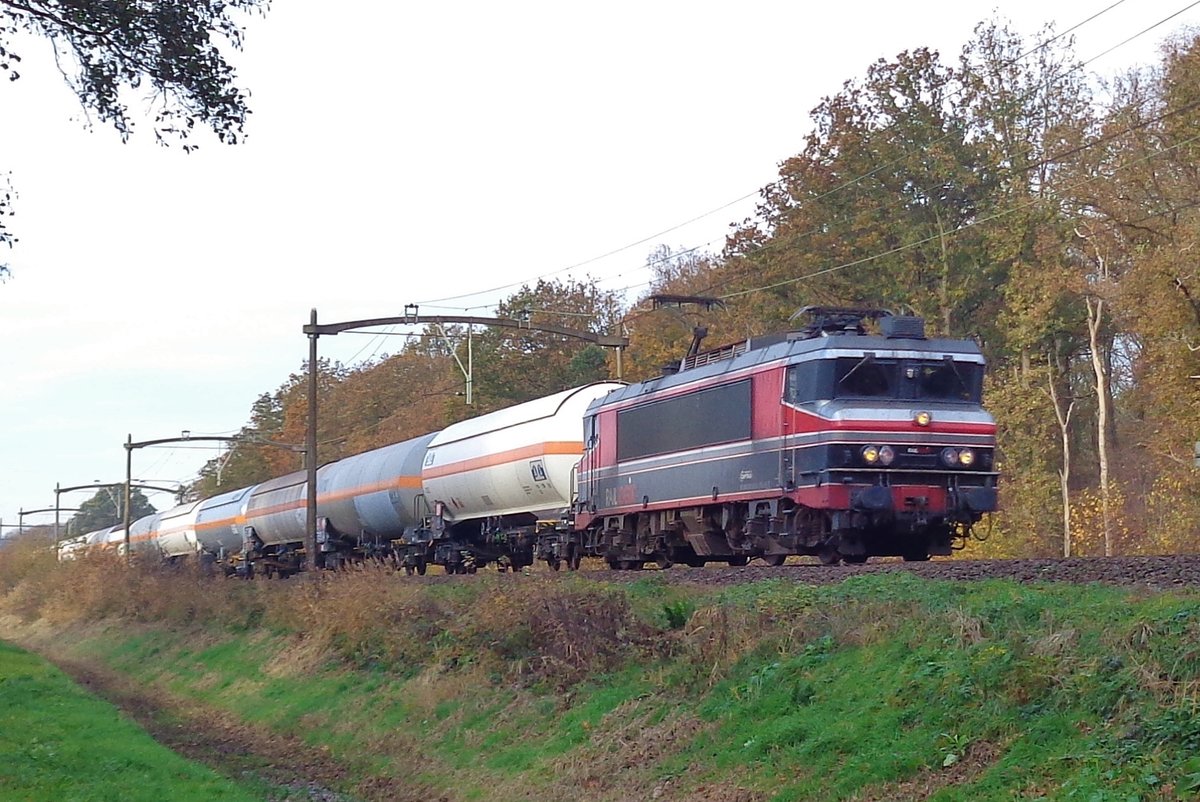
<point>663,562</point>
<point>829,557</point>
<point>774,560</point>
<point>408,570</point>
<point>854,559</point>
<point>915,557</point>
<point>738,561</point>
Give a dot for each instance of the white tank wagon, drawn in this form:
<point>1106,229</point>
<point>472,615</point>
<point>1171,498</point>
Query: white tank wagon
<point>114,539</point>
<point>72,548</point>
<point>97,540</point>
<point>177,531</point>
<point>500,484</point>
<point>220,521</point>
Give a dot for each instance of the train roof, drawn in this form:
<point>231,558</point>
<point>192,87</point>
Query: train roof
<point>798,346</point>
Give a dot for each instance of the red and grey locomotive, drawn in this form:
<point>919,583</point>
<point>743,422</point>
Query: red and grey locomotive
<point>830,441</point>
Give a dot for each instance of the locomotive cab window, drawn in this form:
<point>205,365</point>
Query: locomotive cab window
<point>870,377</point>
<point>856,378</point>
<point>946,380</point>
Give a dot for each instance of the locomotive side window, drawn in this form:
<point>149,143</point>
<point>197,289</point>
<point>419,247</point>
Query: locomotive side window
<point>703,418</point>
<point>807,381</point>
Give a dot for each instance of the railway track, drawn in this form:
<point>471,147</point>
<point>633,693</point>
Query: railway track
<point>1155,572</point>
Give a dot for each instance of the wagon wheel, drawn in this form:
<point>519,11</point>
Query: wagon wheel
<point>829,556</point>
<point>854,559</point>
<point>554,563</point>
<point>739,560</point>
<point>774,560</point>
<point>663,562</point>
<point>421,567</point>
<point>573,556</point>
<point>408,570</point>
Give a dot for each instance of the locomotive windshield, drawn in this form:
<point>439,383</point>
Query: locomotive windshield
<point>868,377</point>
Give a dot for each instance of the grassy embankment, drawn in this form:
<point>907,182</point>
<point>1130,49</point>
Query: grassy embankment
<point>499,687</point>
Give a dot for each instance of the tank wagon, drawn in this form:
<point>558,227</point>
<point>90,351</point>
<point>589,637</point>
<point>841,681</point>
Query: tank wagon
<point>828,441</point>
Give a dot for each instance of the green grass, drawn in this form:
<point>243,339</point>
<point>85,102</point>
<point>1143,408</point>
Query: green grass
<point>884,686</point>
<point>60,743</point>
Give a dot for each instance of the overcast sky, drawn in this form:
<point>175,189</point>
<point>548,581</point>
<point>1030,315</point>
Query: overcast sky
<point>404,153</point>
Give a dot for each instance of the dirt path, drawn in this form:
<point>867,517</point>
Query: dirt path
<point>234,748</point>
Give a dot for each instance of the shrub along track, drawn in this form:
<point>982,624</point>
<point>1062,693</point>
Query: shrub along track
<point>300,772</point>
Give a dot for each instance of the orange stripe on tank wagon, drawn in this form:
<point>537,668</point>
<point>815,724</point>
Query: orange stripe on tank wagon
<point>409,482</point>
<point>322,498</point>
<point>223,522</point>
<point>571,447</point>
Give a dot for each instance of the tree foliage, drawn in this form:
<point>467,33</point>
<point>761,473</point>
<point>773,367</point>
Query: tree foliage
<point>106,508</point>
<point>166,56</point>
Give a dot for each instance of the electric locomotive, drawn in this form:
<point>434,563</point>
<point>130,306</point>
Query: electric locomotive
<point>855,436</point>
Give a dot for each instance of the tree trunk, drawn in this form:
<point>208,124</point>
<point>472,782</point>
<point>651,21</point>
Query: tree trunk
<point>1095,319</point>
<point>1064,472</point>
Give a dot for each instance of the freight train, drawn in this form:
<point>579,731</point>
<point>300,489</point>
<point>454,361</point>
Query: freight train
<point>852,436</point>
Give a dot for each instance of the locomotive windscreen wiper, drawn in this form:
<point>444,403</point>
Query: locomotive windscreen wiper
<point>867,359</point>
<point>949,360</point>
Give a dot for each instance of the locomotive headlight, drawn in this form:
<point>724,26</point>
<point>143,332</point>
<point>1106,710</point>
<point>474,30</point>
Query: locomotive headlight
<point>870,454</point>
<point>950,457</point>
<point>922,418</point>
<point>966,457</point>
<point>887,455</point>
